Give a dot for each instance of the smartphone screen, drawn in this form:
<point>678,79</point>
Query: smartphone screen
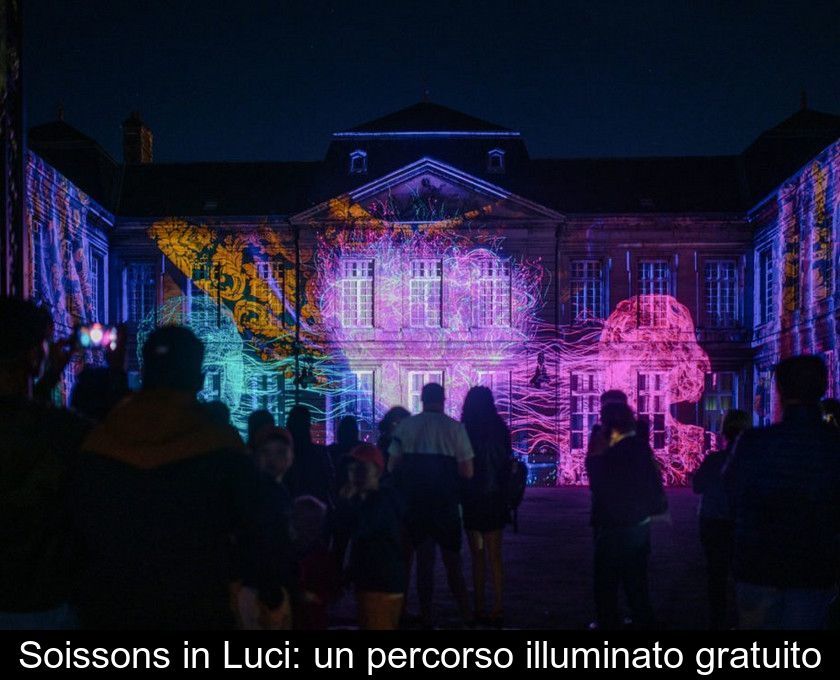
<point>97,336</point>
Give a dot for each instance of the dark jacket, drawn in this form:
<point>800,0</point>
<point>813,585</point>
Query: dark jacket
<point>625,484</point>
<point>38,444</point>
<point>160,497</point>
<point>785,485</point>
<point>270,564</point>
<point>377,562</point>
<point>311,473</point>
<point>708,480</point>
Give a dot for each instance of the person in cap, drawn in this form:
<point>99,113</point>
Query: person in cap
<point>376,565</point>
<point>164,503</point>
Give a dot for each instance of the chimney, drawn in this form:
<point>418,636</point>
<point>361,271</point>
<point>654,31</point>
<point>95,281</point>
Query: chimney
<point>137,140</point>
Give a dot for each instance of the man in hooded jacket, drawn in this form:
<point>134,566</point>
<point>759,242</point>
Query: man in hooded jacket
<point>165,504</point>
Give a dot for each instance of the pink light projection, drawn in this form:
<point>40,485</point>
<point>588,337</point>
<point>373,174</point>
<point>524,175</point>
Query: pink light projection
<point>657,365</point>
<point>446,303</point>
<point>405,306</point>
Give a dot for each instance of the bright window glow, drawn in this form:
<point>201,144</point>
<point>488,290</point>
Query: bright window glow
<point>357,293</point>
<point>425,293</point>
<point>584,407</point>
<point>361,399</point>
<point>493,304</point>
<point>416,380</point>
<point>652,404</point>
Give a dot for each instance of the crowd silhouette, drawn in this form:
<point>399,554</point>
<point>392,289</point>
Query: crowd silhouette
<point>147,510</point>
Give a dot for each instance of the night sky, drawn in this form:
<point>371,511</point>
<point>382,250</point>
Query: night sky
<point>270,80</point>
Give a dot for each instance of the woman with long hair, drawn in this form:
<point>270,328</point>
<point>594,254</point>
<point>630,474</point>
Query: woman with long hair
<point>484,502</point>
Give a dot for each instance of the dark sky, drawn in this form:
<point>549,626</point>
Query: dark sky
<point>255,80</point>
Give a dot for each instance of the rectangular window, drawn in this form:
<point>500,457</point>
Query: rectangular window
<point>651,404</point>
<point>654,288</point>
<point>587,290</point>
<point>97,273</point>
<point>721,278</point>
<point>498,382</point>
<point>140,290</point>
<point>357,293</point>
<point>584,408</point>
<point>360,399</point>
<point>416,380</point>
<point>493,304</point>
<point>719,396</point>
<point>765,286</point>
<point>425,293</point>
<point>270,285</point>
<point>267,391</point>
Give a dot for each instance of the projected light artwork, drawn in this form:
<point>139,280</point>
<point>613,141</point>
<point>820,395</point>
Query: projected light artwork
<point>386,308</point>
<point>403,306</point>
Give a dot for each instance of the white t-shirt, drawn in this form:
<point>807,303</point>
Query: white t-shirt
<point>432,433</point>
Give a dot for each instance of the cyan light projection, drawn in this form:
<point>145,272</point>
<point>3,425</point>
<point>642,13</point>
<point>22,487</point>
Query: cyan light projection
<point>387,305</point>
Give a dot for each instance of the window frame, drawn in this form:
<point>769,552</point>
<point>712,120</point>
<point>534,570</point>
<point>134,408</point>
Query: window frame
<point>362,287</point>
<point>493,307</point>
<point>599,296</point>
<point>651,304</point>
<point>496,161</point>
<point>590,396</point>
<point>272,283</point>
<point>127,315</point>
<point>716,319</point>
<point>413,393</point>
<point>425,291</point>
<point>766,285</point>
<point>358,162</point>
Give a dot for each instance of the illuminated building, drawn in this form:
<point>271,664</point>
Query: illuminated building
<point>428,245</point>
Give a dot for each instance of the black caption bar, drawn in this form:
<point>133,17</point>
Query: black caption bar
<point>370,655</point>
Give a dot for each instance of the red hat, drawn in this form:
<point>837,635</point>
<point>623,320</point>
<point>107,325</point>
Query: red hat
<point>368,453</point>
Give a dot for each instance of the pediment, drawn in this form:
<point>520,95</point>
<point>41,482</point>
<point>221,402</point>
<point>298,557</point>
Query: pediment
<point>427,191</point>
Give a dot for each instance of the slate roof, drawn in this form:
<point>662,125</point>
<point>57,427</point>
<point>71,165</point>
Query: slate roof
<point>77,157</point>
<point>779,152</point>
<point>711,184</point>
<point>637,185</point>
<point>168,189</point>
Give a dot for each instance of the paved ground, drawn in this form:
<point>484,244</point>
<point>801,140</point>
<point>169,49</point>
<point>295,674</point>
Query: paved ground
<point>549,566</point>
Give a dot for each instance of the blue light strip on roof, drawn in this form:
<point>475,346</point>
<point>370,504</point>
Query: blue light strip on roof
<point>439,133</point>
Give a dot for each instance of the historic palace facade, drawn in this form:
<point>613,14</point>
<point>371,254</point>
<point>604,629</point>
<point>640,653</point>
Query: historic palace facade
<point>428,245</point>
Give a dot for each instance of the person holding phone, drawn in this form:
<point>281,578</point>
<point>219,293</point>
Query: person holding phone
<point>40,444</point>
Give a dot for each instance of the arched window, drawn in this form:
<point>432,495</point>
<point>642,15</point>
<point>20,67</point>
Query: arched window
<point>495,160</point>
<point>358,162</point>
